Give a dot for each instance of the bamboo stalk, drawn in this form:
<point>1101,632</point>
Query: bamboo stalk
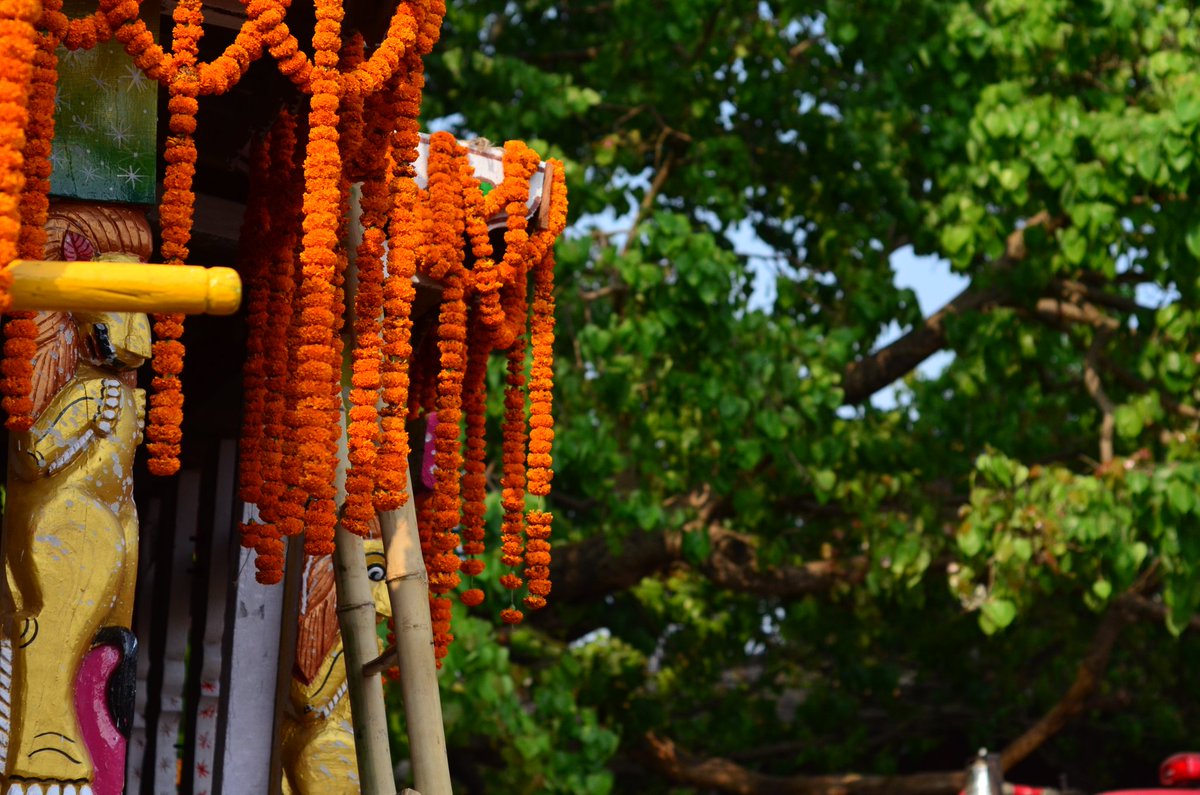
<point>356,617</point>
<point>356,603</point>
<point>408,588</point>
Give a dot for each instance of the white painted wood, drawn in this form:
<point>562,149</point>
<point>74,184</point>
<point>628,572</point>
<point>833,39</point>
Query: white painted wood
<point>488,161</point>
<point>178,628</point>
<point>250,678</point>
<point>208,704</point>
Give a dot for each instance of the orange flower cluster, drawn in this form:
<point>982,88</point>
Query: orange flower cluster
<point>393,68</point>
<point>20,332</point>
<point>497,318</point>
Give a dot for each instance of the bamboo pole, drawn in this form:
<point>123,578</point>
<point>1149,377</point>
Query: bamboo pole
<point>408,588</point>
<point>356,617</point>
<point>123,287</point>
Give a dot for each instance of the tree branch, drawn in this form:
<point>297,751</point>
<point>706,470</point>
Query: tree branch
<point>865,377</point>
<point>591,569</point>
<point>1091,380</point>
<point>723,775</point>
<point>871,374</point>
<point>1121,611</point>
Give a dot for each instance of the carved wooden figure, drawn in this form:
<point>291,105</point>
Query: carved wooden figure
<point>318,736</point>
<point>70,534</point>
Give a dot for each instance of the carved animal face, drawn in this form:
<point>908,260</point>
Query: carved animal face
<point>115,339</point>
<point>377,574</point>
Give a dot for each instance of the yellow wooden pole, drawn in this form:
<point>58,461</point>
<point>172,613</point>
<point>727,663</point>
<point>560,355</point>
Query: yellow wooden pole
<point>123,287</point>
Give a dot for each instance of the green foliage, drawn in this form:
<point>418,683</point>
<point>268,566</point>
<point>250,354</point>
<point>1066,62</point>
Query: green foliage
<point>1046,150</point>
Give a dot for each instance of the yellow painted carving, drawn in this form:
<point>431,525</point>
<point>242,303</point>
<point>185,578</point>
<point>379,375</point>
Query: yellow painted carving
<point>69,546</point>
<point>318,737</point>
<point>70,538</point>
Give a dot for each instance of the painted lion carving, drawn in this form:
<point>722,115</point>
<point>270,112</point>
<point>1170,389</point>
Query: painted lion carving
<point>70,536</point>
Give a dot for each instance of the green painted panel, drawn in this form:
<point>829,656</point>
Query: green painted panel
<point>106,122</point>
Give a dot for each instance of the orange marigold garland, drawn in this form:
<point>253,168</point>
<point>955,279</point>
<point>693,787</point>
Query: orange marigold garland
<point>512,496</point>
<point>446,264</point>
<point>541,385</point>
<point>317,378</point>
<point>164,432</point>
<point>16,71</point>
<point>474,482</point>
<point>541,434</point>
<point>256,254</point>
<point>20,331</point>
<point>285,213</point>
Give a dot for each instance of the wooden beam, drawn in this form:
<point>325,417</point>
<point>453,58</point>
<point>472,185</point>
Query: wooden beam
<point>123,287</point>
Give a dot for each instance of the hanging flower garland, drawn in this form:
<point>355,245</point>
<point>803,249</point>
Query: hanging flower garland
<point>317,378</point>
<point>256,260</point>
<point>474,481</point>
<point>16,71</point>
<point>20,331</point>
<point>285,515</point>
<point>164,432</point>
<point>446,264</point>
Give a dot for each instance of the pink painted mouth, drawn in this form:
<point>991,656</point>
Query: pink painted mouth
<point>104,742</point>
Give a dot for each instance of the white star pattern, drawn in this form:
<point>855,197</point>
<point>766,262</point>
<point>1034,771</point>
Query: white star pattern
<point>82,124</point>
<point>88,172</point>
<point>131,176</point>
<point>120,133</point>
<point>134,79</point>
<point>101,83</point>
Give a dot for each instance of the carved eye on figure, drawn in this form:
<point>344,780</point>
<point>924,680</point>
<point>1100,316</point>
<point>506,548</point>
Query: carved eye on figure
<point>375,572</point>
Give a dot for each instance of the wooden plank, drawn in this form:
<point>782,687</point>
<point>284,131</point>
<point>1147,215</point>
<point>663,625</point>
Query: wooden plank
<point>293,579</point>
<point>106,124</point>
<point>174,669</point>
<point>249,679</point>
<point>212,662</point>
<point>150,522</point>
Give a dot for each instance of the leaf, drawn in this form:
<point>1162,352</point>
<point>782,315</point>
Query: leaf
<point>1128,421</point>
<point>956,238</point>
<point>696,546</point>
<point>1074,245</point>
<point>77,248</point>
<point>1193,238</point>
<point>1180,496</point>
<point>999,613</point>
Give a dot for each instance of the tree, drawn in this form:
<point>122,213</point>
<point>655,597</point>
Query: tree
<point>765,579</point>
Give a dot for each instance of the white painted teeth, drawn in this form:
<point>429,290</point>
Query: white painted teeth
<point>86,789</point>
<point>15,789</point>
<point>34,789</point>
<point>112,401</point>
<point>109,414</point>
<point>70,790</point>
<point>53,789</point>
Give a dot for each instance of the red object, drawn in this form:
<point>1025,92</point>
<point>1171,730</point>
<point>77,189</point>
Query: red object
<point>104,743</point>
<point>1180,769</point>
